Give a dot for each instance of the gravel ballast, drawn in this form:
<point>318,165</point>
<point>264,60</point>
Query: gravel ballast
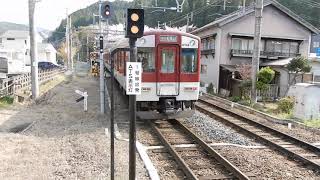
<point>215,131</point>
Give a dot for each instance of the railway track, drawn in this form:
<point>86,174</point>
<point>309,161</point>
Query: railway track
<point>305,153</point>
<point>200,162</point>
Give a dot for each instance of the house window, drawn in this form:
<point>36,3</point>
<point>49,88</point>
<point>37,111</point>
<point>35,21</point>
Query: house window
<point>316,44</point>
<point>242,44</point>
<point>10,39</point>
<point>279,47</point>
<point>204,69</point>
<point>207,43</point>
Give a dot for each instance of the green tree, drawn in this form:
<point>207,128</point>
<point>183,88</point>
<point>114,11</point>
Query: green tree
<point>299,66</point>
<point>265,76</point>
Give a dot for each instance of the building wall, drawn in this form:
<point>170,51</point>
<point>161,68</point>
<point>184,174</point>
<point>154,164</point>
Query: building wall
<point>17,44</point>
<point>212,62</point>
<point>284,80</point>
<point>316,71</point>
<point>274,24</point>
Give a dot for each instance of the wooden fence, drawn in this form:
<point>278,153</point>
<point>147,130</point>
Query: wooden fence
<point>9,86</point>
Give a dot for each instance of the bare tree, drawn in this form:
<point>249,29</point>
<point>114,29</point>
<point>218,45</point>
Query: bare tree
<point>244,71</point>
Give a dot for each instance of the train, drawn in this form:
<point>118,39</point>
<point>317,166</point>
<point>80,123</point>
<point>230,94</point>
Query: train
<point>170,72</point>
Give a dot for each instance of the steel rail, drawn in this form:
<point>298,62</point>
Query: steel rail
<point>187,171</point>
<point>279,133</point>
<point>233,169</point>
<point>266,141</point>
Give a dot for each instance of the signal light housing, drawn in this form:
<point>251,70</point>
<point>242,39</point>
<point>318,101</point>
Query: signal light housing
<point>135,23</point>
<point>105,11</point>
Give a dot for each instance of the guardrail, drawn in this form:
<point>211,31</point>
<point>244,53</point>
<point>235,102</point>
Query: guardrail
<point>9,86</point>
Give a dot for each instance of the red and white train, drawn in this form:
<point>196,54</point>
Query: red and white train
<point>171,72</point>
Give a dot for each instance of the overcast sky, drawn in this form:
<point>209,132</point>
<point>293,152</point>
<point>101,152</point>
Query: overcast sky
<point>49,13</point>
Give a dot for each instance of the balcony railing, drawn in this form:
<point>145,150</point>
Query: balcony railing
<point>207,51</point>
<point>279,54</point>
<point>265,54</point>
<point>241,52</point>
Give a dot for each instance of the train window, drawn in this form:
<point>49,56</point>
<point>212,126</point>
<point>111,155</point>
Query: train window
<point>146,56</point>
<point>189,61</point>
<point>168,60</point>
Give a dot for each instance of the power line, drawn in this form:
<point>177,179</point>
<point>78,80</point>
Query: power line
<point>195,12</point>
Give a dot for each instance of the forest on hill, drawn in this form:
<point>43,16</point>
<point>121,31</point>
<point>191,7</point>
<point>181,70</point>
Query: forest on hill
<point>202,11</point>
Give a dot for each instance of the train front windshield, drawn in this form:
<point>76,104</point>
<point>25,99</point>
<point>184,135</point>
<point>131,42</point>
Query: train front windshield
<point>189,61</point>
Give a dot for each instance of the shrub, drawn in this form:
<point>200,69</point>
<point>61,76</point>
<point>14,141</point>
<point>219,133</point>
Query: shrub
<point>6,100</point>
<point>210,89</point>
<point>286,104</point>
<point>235,98</point>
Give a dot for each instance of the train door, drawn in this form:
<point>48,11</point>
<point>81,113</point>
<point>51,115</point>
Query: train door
<point>168,71</point>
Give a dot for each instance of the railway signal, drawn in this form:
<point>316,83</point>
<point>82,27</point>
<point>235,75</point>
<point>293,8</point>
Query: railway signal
<point>135,23</point>
<point>134,30</point>
<point>105,11</point>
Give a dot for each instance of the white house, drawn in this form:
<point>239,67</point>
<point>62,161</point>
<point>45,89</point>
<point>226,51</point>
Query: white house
<point>15,40</point>
<point>47,53</point>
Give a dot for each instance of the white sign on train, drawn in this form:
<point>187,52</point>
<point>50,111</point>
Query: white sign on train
<point>133,78</point>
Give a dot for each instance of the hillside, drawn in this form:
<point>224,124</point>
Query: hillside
<point>204,11</point>
<point>4,26</point>
<point>84,17</point>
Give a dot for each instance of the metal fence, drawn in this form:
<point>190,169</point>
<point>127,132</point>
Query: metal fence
<point>10,86</point>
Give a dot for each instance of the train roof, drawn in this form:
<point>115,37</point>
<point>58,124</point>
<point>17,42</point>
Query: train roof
<point>173,32</point>
<point>124,42</point>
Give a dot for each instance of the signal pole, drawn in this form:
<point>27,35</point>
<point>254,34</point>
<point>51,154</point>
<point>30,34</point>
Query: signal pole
<point>256,48</point>
<point>33,51</point>
<point>101,61</point>
<point>132,115</point>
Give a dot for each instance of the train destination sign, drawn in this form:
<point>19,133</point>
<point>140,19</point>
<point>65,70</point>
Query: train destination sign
<point>133,78</point>
<point>168,38</point>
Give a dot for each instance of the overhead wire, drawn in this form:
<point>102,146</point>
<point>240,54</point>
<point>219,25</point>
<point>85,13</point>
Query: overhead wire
<point>195,12</point>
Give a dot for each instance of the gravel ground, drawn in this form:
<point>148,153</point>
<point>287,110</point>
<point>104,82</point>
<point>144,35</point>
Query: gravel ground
<point>301,133</point>
<point>215,131</point>
<point>64,142</point>
<point>266,164</point>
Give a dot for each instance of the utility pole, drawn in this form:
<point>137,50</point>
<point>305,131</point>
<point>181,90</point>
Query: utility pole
<point>70,43</point>
<point>256,48</point>
<point>67,40</point>
<point>187,29</point>
<point>244,6</point>
<point>101,61</point>
<point>88,55</point>
<point>33,51</point>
